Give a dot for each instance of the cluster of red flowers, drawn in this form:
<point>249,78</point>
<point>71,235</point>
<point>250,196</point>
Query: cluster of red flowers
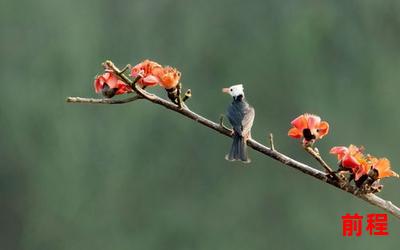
<point>152,73</point>
<point>362,166</point>
<point>146,74</point>
<point>351,159</point>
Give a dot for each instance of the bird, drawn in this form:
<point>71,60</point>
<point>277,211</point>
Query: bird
<point>241,116</point>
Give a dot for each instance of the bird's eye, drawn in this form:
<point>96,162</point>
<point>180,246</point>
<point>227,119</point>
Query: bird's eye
<point>231,89</point>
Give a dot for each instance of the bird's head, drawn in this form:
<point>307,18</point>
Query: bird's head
<point>235,90</point>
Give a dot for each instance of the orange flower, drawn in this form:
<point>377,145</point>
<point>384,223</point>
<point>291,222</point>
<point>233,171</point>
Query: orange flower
<point>382,166</point>
<point>169,77</point>
<point>109,85</point>
<point>310,127</point>
<point>148,71</point>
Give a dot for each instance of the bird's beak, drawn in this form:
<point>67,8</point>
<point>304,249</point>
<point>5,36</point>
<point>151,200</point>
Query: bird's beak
<point>225,90</point>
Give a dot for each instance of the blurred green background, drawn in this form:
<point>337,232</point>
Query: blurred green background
<point>137,176</point>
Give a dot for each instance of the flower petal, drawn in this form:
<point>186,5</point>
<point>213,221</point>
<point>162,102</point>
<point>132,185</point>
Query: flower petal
<point>123,88</point>
<point>135,73</point>
<point>349,161</point>
<point>383,168</point>
<point>150,80</point>
<point>340,151</point>
<point>313,121</point>
<point>111,80</point>
<point>355,150</point>
<point>98,84</point>
<point>136,69</point>
<point>295,133</point>
<point>323,129</point>
<point>300,122</point>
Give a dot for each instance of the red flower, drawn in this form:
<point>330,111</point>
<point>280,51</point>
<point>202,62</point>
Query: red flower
<point>109,85</point>
<point>310,127</point>
<point>349,157</point>
<point>148,71</point>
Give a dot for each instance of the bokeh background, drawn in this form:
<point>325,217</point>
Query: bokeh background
<point>137,176</point>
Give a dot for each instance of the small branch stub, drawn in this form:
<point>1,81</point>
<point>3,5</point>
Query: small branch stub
<point>188,94</point>
<point>271,141</point>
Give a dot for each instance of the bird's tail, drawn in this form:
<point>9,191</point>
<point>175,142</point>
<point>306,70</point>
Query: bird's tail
<point>238,150</point>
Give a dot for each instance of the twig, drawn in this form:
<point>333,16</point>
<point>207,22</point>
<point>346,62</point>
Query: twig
<point>318,157</point>
<point>125,68</point>
<point>386,205</point>
<point>179,98</point>
<point>271,141</point>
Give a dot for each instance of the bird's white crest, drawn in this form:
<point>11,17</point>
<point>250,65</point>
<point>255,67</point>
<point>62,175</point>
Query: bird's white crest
<point>236,90</point>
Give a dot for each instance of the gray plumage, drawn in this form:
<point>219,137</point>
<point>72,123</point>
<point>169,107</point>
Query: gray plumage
<point>241,116</point>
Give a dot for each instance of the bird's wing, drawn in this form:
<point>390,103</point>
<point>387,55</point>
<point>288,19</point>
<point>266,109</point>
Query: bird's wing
<point>235,116</point>
<point>248,118</point>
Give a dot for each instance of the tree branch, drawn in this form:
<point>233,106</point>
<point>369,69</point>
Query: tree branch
<point>386,205</point>
<point>102,101</point>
